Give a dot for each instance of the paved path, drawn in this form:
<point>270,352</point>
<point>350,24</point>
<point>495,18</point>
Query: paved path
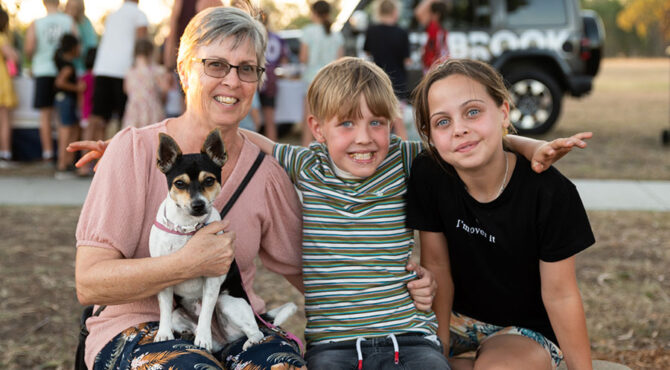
<point>596,194</point>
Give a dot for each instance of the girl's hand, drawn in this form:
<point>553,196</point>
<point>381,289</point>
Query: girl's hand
<point>96,150</point>
<point>422,289</point>
<point>550,152</point>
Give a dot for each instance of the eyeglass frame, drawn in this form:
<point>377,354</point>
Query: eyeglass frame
<point>260,69</point>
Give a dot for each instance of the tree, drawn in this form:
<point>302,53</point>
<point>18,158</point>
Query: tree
<point>643,15</point>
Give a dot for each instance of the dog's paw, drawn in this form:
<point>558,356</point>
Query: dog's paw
<point>164,335</point>
<point>253,339</point>
<point>204,341</point>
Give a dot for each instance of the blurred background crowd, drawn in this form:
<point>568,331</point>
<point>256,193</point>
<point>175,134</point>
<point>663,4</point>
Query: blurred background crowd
<point>83,69</point>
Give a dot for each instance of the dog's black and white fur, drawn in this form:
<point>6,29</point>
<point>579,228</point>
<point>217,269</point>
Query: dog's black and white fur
<point>194,181</point>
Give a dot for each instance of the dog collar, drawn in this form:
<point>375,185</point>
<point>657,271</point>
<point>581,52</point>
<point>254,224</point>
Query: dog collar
<point>172,228</point>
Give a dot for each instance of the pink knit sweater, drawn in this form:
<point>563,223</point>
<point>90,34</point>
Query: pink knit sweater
<point>123,200</point>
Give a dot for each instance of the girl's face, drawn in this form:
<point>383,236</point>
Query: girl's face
<point>358,145</point>
<point>223,100</point>
<point>466,124</point>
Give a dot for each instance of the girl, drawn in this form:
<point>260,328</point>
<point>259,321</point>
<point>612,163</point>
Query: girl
<point>145,84</point>
<point>318,47</point>
<point>67,90</point>
<point>499,238</point>
<point>8,100</point>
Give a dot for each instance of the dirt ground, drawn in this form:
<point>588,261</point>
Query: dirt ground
<point>624,277</point>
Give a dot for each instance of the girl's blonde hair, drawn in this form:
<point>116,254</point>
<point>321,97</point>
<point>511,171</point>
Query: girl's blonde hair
<point>478,71</point>
<point>336,91</point>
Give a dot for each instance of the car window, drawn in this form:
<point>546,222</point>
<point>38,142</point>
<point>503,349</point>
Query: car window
<point>468,14</point>
<point>535,12</point>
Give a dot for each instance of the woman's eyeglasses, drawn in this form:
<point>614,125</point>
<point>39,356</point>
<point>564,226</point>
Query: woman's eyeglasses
<point>219,68</point>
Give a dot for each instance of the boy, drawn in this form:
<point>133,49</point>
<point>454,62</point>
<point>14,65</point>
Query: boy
<point>355,243</point>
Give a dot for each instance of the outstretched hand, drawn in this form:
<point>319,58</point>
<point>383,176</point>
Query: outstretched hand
<point>550,152</point>
<point>95,150</point>
<point>422,289</point>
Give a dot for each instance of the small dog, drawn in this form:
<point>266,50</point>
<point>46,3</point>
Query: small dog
<point>194,181</point>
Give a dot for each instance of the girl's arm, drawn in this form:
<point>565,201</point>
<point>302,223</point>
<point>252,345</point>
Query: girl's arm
<point>435,258</point>
<point>563,302</point>
<point>543,154</point>
<point>266,145</point>
<point>304,53</point>
<point>9,52</point>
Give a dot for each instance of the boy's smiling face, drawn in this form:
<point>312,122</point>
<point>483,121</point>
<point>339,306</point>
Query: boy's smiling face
<point>357,145</point>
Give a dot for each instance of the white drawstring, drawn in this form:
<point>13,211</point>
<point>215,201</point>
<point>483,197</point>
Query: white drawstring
<point>359,352</point>
<point>396,351</point>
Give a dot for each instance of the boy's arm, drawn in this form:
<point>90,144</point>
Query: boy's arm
<point>543,154</point>
<point>266,145</point>
<point>563,303</point>
<point>435,258</point>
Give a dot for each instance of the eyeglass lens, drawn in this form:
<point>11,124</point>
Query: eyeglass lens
<point>220,68</point>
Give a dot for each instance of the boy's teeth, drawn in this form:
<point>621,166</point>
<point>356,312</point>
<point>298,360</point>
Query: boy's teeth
<point>361,156</point>
<point>226,99</point>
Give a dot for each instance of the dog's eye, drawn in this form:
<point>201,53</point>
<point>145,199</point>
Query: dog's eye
<point>209,181</point>
<point>179,184</point>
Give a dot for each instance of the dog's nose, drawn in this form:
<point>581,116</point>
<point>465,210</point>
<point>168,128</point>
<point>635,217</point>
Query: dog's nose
<point>198,206</point>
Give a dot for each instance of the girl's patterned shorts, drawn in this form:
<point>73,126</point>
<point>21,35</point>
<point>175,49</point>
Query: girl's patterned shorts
<point>134,348</point>
<point>468,334</point>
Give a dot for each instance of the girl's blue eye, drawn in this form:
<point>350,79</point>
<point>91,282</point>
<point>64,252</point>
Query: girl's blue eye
<point>442,122</point>
<point>375,123</point>
<point>347,124</point>
<point>472,112</point>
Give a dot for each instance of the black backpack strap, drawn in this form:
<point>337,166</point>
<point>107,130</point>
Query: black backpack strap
<point>243,184</point>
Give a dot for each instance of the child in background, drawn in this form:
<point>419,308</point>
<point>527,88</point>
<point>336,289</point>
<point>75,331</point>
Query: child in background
<point>8,99</point>
<point>355,243</point>
<point>174,97</point>
<point>431,14</point>
<point>500,239</point>
<point>145,84</point>
<point>67,90</point>
<point>89,132</point>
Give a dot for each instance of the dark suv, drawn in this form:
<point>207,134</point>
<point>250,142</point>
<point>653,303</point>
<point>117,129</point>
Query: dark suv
<point>543,48</point>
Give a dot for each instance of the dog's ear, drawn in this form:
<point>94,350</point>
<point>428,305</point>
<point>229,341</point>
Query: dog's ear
<point>214,148</point>
<point>168,152</point>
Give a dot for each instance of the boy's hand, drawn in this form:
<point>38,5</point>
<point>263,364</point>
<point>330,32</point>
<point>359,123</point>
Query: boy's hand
<point>422,289</point>
<point>96,150</point>
<point>550,152</point>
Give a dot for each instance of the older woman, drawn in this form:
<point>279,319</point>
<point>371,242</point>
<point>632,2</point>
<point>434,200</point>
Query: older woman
<point>220,64</point>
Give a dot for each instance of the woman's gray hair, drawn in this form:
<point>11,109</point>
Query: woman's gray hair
<point>218,23</point>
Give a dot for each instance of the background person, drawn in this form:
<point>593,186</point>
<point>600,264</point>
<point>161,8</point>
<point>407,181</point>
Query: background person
<point>42,38</point>
<point>145,85</point>
<point>8,98</point>
<point>112,62</point>
<point>319,46</point>
<point>392,57</point>
<point>88,38</point>
<point>68,87</point>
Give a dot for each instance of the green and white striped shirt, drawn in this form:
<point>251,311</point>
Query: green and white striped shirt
<point>355,246</point>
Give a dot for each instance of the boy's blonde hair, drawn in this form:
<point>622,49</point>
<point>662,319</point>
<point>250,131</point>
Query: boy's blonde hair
<point>337,88</point>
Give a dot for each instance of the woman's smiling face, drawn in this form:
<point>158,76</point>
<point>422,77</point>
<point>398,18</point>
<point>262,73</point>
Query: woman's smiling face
<point>221,100</point>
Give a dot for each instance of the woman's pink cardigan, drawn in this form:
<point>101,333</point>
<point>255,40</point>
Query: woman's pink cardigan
<point>121,207</point>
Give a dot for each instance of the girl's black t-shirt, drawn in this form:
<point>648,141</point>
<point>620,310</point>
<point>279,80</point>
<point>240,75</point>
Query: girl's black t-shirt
<point>61,64</point>
<point>495,248</point>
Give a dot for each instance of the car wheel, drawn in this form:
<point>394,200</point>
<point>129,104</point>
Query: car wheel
<point>537,101</point>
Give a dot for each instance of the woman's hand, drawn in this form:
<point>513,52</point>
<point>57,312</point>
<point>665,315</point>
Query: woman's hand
<point>422,289</point>
<point>550,152</point>
<point>96,150</point>
<point>210,251</point>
